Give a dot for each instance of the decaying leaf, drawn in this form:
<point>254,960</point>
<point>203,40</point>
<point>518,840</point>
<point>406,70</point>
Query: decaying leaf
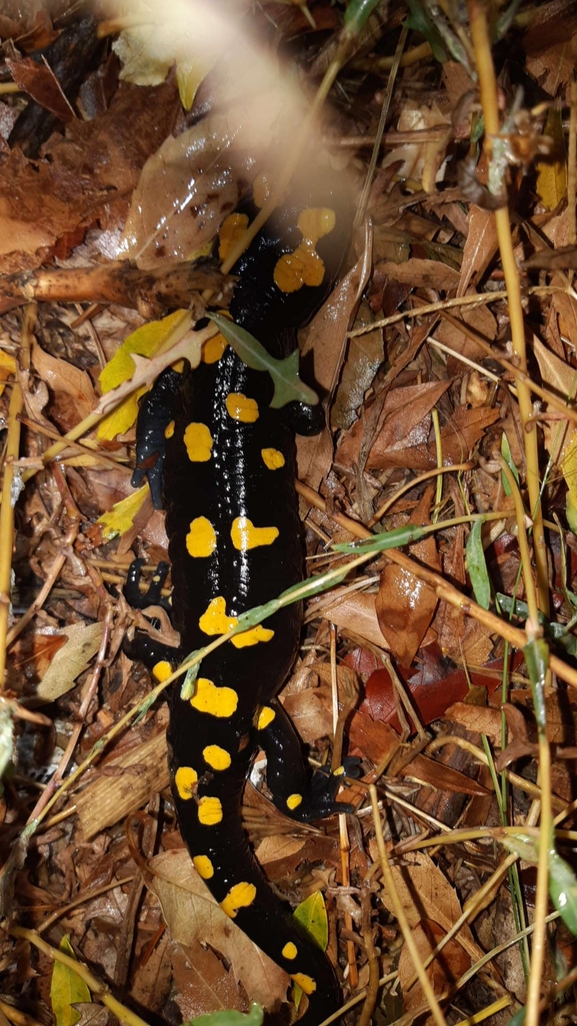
<point>70,661</point>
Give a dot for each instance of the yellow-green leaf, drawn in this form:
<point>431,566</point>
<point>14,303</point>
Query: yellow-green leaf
<point>552,173</point>
<point>121,517</point>
<point>312,914</point>
<point>66,989</point>
<point>145,341</point>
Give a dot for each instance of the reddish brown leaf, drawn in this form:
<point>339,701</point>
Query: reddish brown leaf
<point>404,604</point>
<point>441,777</point>
<point>403,438</point>
<point>40,82</point>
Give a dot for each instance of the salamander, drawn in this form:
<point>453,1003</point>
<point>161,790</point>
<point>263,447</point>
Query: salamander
<point>222,463</point>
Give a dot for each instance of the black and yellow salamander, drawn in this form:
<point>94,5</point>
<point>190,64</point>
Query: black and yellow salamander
<point>222,463</point>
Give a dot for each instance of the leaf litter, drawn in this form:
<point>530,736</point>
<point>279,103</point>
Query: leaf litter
<point>464,717</point>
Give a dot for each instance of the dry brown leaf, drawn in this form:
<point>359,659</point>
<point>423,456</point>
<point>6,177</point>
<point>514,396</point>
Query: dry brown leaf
<point>365,356</point>
<point>377,741</point>
<point>561,379</point>
<point>353,612</point>
<point>480,248</point>
<point>429,274</point>
<point>311,714</point>
<point>404,604</point>
<point>314,458</point>
<point>461,434</point>
<point>70,661</point>
<point>202,983</point>
<point>191,914</point>
<point>482,321</point>
<point>98,161</point>
<point>61,376</point>
<point>281,854</point>
<point>151,980</point>
<point>40,82</point>
<point>128,782</point>
<point>479,718</point>
<point>442,777</point>
<point>404,436</point>
<point>426,893</point>
<point>326,335</point>
<point>444,971</point>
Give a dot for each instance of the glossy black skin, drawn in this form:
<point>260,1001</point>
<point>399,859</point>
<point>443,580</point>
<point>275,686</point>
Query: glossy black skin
<point>235,482</point>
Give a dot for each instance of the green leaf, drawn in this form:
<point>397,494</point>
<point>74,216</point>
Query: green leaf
<point>67,988</point>
<point>522,845</point>
<point>284,373</point>
<point>477,566</point>
<point>387,540</point>
<point>230,1017</point>
<point>357,14</point>
<point>312,914</point>
<point>506,454</point>
<point>519,1018</point>
<point>420,21</point>
<point>563,890</point>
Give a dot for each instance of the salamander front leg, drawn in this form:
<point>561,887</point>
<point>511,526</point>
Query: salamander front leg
<point>296,790</point>
<point>155,416</point>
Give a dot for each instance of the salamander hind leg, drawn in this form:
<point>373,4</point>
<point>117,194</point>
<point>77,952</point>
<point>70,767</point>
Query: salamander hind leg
<point>161,659</point>
<point>296,791</point>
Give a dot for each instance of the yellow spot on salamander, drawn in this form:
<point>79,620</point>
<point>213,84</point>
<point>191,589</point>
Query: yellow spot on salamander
<point>272,459</point>
<point>210,812</point>
<point>252,636</point>
<point>201,539</point>
<point>246,536</point>
<point>203,866</point>
<point>305,982</point>
<point>293,801</point>
<point>265,717</point>
<point>304,266</point>
<point>213,348</point>
<point>214,701</point>
<point>215,620</point>
<point>232,230</point>
<point>162,670</point>
<point>239,407</point>
<point>290,950</point>
<point>185,781</point>
<point>339,772</point>
<point>216,757</point>
<point>169,430</point>
<point>198,442</point>
<point>239,896</point>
